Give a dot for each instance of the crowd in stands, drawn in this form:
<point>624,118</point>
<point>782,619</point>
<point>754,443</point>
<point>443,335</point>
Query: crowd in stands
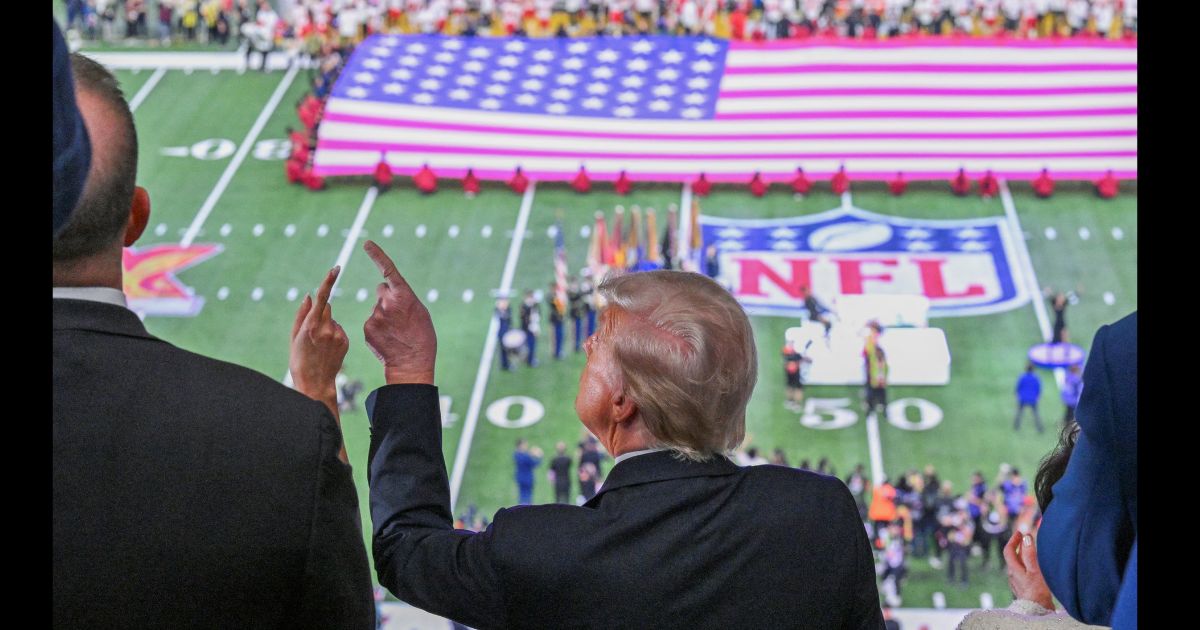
<point>309,24</point>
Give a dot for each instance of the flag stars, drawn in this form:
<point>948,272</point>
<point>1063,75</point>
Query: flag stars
<point>444,57</point>
<point>663,90</point>
<point>672,57</point>
<point>515,46</point>
<point>496,89</point>
<point>556,108</point>
<point>593,103</point>
<point>416,48</point>
<point>509,61</point>
<point>373,64</point>
<point>526,99</point>
<point>637,65</point>
<point>603,72</point>
<point>538,70</point>
<point>479,52</point>
<point>667,74</point>
<point>697,83</point>
<point>410,61</point>
<point>438,71</point>
<point>502,75</point>
<point>607,55</point>
<point>424,98</point>
<point>659,105</point>
<point>356,92</point>
<point>473,66</point>
<point>692,112</point>
<point>567,79</point>
<point>597,88</point>
<point>704,66</point>
<point>574,63</point>
<point>430,84</point>
<point>623,111</point>
<point>695,98</point>
<point>402,74</point>
<point>632,81</point>
<point>706,47</point>
<point>460,94</point>
<point>393,88</point>
<point>452,44</point>
<point>364,77</point>
<point>628,97</point>
<point>533,85</point>
<point>543,55</point>
<point>577,48</point>
<point>562,94</point>
<point>489,103</point>
<point>381,51</point>
<point>466,80</point>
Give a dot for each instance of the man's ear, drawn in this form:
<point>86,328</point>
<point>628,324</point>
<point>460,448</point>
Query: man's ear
<point>623,408</point>
<point>139,216</point>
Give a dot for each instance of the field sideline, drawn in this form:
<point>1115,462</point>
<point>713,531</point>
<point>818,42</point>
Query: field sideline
<point>276,241</point>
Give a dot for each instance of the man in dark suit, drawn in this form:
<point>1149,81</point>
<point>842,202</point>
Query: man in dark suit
<point>1087,544</point>
<point>678,536</point>
<point>187,491</point>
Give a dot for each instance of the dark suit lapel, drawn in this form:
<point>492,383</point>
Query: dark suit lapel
<point>97,317</point>
<point>661,466</point>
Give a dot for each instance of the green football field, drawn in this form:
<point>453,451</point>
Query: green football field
<point>211,156</point>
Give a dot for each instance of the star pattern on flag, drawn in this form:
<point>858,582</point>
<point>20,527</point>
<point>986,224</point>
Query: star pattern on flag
<point>652,77</point>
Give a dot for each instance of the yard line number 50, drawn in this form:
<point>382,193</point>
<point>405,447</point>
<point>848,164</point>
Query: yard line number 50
<point>835,413</point>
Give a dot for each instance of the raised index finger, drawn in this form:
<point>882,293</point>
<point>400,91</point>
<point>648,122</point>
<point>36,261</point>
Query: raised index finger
<point>324,290</point>
<point>386,267</point>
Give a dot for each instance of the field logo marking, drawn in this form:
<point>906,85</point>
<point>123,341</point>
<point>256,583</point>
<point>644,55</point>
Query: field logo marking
<point>964,267</point>
<point>150,284</point>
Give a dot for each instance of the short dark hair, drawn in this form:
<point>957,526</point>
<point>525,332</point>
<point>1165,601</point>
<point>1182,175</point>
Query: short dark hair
<point>103,208</point>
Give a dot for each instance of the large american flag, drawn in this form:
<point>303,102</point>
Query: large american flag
<point>668,108</point>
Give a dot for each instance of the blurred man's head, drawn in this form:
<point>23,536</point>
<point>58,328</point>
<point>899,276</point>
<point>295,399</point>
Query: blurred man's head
<point>561,448</point>
<point>672,364</point>
<point>112,211</point>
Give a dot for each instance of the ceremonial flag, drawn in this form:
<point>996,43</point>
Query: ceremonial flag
<point>560,268</point>
<point>667,108</point>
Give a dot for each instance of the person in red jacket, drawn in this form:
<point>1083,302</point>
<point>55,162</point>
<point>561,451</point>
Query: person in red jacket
<point>898,185</point>
<point>989,186</point>
<point>470,184</point>
<point>840,181</point>
<point>313,181</point>
<point>299,143</point>
<point>800,183</point>
<point>737,25</point>
<point>758,187</point>
<point>623,185</point>
<point>960,184</point>
<point>1107,186</point>
<point>383,173</point>
<point>518,183</point>
<point>1043,186</point>
<point>295,171</point>
<point>425,180</point>
<point>581,183</point>
<point>701,187</point>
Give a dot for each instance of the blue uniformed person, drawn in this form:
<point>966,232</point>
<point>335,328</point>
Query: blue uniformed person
<point>588,295</point>
<point>531,317</point>
<point>504,316</point>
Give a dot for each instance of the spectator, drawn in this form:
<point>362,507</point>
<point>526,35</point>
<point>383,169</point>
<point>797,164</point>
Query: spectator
<point>883,506</point>
<point>1029,389</point>
<point>589,453</point>
<point>179,478</point>
<point>560,471</point>
<point>857,483</point>
<point>1072,388</point>
<point>779,458</point>
<point>994,527</point>
<point>1014,489</point>
<point>959,538</point>
<point>525,460</point>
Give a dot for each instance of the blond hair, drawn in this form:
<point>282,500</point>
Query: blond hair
<point>685,351</point>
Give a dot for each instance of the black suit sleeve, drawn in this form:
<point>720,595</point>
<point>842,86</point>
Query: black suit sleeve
<point>865,612</point>
<point>419,556</point>
<point>336,592</point>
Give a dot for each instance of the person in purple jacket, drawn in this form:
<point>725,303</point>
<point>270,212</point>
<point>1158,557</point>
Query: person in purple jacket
<point>1029,389</point>
<point>1072,388</point>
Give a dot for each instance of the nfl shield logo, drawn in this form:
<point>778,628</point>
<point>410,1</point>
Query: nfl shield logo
<point>964,267</point>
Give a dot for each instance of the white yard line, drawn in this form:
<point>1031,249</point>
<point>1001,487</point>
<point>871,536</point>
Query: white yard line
<point>364,210</point>
<point>239,157</point>
<point>874,447</point>
<point>145,89</point>
<point>489,350</point>
<point>1026,265</point>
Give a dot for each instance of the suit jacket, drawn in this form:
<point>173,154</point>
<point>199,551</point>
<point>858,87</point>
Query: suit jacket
<point>189,492</point>
<point>1089,532</point>
<point>665,543</point>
